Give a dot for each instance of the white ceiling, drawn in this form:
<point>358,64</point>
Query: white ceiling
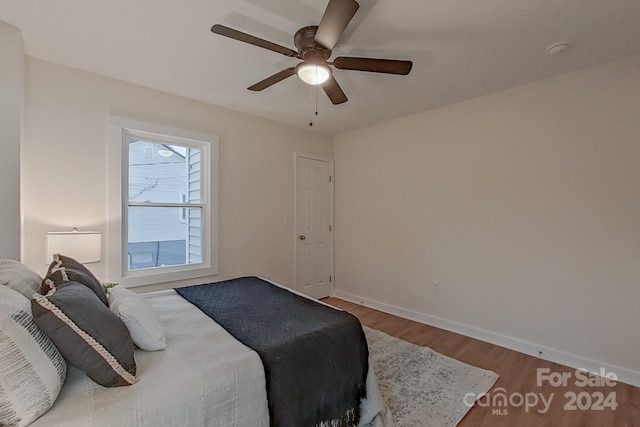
<point>460,49</point>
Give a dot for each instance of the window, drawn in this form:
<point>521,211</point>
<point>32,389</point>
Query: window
<point>166,226</point>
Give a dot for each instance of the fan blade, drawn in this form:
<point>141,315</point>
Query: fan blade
<point>334,91</point>
<point>247,38</point>
<point>387,66</point>
<point>269,81</point>
<point>334,21</point>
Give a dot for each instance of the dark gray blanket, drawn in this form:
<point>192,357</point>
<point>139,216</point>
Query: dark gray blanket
<point>315,358</point>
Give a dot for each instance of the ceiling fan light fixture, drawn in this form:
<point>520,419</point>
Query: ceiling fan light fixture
<point>313,73</point>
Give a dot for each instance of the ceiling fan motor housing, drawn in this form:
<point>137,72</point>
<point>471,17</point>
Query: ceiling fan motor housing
<point>308,49</point>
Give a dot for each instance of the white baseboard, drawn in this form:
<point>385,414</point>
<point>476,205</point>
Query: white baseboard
<point>624,375</point>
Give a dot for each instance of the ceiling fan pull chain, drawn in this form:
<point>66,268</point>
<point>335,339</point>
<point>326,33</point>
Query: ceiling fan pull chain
<point>314,94</point>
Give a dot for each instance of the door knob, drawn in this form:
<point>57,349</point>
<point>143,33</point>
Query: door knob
<point>302,237</point>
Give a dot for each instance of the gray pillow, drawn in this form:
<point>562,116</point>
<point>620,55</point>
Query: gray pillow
<point>65,269</point>
<point>19,277</point>
<point>87,333</point>
<point>32,370</point>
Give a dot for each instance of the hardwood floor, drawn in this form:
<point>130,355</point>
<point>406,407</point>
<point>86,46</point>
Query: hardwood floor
<point>518,377</point>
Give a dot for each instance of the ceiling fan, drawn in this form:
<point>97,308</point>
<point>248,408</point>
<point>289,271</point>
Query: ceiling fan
<point>314,44</point>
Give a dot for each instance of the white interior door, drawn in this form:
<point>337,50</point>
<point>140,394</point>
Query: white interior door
<point>314,218</point>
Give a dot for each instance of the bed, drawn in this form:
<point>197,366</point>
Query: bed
<point>204,377</point>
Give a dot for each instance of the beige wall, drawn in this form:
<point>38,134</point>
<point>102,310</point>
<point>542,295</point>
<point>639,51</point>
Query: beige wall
<point>65,161</point>
<point>12,63</point>
<point>524,205</point>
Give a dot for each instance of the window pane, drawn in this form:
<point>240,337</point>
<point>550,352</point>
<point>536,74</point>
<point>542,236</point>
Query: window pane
<point>163,237</point>
<point>163,173</point>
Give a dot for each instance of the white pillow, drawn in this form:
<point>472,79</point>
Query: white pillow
<point>143,322</point>
<point>32,370</point>
<point>19,277</point>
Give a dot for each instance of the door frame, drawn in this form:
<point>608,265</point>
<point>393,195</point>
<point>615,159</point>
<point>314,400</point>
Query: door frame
<point>296,156</point>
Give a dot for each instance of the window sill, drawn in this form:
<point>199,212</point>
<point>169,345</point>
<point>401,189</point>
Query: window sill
<point>170,274</point>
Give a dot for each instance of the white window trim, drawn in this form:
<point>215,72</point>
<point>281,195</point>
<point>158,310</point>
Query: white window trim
<point>117,206</point>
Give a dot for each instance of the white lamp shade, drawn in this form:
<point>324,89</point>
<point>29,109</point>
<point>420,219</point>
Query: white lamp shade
<point>83,246</point>
<point>313,74</point>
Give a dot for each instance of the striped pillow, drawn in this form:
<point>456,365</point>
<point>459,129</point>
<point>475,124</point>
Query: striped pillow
<point>32,370</point>
<point>19,277</point>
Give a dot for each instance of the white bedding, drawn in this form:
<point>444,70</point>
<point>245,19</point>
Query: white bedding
<point>205,377</point>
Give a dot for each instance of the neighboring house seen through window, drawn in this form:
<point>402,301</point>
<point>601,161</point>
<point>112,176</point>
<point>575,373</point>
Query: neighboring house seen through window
<point>164,204</point>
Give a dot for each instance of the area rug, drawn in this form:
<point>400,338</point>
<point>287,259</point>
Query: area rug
<point>422,387</point>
